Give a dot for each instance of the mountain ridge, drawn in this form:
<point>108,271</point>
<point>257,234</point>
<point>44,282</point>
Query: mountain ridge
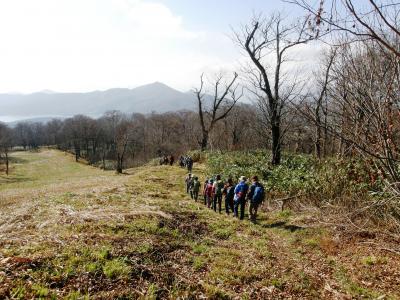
<point>153,97</point>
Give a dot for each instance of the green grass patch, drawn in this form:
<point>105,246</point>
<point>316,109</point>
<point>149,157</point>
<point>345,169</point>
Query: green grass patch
<point>116,269</point>
<point>199,263</point>
<point>199,248</point>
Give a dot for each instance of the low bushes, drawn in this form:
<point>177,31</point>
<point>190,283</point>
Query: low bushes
<point>299,174</point>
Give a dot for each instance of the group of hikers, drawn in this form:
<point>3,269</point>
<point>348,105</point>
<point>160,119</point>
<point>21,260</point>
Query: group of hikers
<point>235,195</point>
<point>167,160</point>
<point>186,162</point>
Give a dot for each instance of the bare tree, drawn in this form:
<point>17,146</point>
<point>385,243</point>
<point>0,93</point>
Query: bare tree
<point>5,145</point>
<point>314,106</point>
<point>22,131</point>
<point>224,99</point>
<point>122,140</point>
<point>374,20</point>
<point>265,40</point>
<point>366,104</point>
<point>53,129</point>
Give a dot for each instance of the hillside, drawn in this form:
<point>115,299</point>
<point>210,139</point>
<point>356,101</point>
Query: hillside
<point>72,231</point>
<point>156,97</point>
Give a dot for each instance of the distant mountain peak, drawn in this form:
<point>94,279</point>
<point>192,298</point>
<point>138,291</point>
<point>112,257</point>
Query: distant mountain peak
<point>156,84</point>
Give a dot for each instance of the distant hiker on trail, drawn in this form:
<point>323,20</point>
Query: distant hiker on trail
<point>229,192</point>
<point>256,196</point>
<point>164,160</point>
<point>209,192</point>
<point>189,164</point>
<point>218,187</point>
<point>181,161</point>
<point>205,191</point>
<point>196,188</point>
<point>187,182</point>
<point>171,160</point>
<point>191,181</point>
<point>239,200</point>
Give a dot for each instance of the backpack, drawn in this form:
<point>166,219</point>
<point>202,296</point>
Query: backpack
<point>230,192</point>
<point>259,194</point>
<point>196,185</point>
<point>219,186</point>
<point>209,189</point>
<point>190,183</point>
<point>240,191</point>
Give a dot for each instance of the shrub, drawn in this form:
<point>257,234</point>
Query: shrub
<point>197,155</point>
<point>298,173</point>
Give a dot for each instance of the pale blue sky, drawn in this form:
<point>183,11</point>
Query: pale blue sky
<point>76,45</point>
<point>200,14</point>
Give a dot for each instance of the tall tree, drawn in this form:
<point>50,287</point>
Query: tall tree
<point>224,98</point>
<point>261,39</point>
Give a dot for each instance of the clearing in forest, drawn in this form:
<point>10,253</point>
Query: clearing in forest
<point>68,230</point>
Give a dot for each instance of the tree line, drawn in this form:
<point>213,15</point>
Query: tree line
<point>117,140</point>
<point>348,105</point>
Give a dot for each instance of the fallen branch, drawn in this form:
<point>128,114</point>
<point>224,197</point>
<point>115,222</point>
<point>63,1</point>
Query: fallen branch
<point>382,248</point>
<point>284,200</point>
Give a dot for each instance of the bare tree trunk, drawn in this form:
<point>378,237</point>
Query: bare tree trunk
<point>317,132</point>
<point>144,142</point>
<point>326,136</point>
<point>103,158</point>
<point>77,151</point>
<point>204,140</point>
<point>120,157</point>
<point>7,163</point>
<point>87,148</point>
<point>119,163</point>
<point>276,142</point>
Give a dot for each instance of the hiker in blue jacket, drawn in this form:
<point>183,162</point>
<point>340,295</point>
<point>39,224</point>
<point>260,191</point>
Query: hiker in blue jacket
<point>256,197</point>
<point>239,200</point>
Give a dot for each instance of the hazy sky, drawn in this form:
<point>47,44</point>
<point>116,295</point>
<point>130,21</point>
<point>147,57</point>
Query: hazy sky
<point>84,45</point>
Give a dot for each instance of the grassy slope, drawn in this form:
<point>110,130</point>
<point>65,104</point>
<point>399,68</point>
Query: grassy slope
<point>69,230</point>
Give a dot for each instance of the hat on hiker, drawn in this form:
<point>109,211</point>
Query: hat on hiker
<point>242,178</point>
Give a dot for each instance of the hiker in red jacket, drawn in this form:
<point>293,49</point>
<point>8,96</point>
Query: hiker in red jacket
<point>209,192</point>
